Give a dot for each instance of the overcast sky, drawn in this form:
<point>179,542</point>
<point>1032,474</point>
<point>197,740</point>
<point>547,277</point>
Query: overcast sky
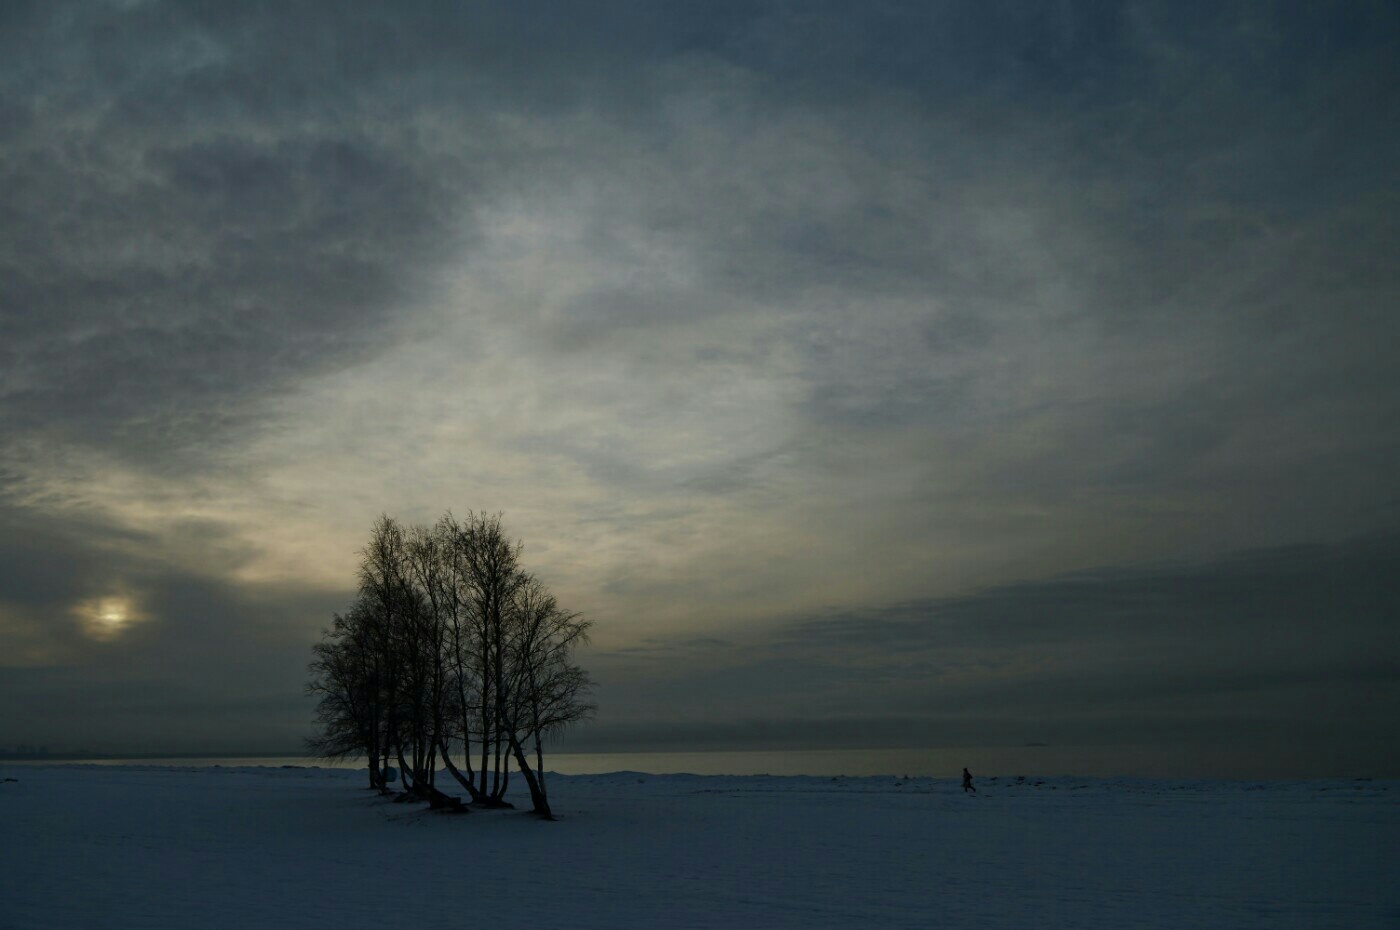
<point>872,374</point>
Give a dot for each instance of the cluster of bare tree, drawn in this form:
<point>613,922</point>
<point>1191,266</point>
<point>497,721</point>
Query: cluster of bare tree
<point>451,645</point>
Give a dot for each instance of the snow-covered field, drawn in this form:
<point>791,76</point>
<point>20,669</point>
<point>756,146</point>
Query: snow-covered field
<point>155,847</point>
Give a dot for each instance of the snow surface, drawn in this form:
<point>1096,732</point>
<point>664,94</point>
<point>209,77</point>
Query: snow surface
<point>156,847</point>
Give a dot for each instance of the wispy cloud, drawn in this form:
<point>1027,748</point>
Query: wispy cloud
<point>739,315</point>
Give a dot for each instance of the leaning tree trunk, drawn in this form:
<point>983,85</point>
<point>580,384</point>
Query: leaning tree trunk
<point>537,795</point>
<point>410,785</point>
<point>463,780</point>
<point>502,780</point>
<point>539,763</point>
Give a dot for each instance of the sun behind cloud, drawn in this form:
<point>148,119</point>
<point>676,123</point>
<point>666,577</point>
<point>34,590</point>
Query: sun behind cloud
<point>106,618</point>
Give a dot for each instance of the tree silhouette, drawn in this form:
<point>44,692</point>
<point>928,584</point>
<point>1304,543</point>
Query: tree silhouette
<point>451,642</point>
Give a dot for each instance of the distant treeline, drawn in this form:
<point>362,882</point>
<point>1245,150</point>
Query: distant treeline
<point>451,646</point>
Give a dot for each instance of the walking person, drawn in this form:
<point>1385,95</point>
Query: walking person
<point>967,782</point>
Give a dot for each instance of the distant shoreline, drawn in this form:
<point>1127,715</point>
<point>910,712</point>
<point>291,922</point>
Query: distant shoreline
<point>939,762</point>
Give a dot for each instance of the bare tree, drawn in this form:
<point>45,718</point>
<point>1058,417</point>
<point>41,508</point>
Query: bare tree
<point>486,572</point>
<point>384,592</point>
<point>432,566</point>
<point>347,675</point>
<point>545,691</point>
<point>451,640</point>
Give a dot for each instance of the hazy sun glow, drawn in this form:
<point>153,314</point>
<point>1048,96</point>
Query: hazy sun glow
<point>106,617</point>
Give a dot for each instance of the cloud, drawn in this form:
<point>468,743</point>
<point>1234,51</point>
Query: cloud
<point>194,661</point>
<point>739,315</point>
<point>1292,643</point>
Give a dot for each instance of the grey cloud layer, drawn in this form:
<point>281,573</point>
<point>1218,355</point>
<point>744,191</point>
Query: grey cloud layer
<point>740,313</point>
<point>208,666</point>
<point>210,203</point>
<point>1296,643</point>
<point>173,248</point>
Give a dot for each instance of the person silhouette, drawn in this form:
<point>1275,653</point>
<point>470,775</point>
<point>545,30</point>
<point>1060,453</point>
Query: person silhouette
<point>967,782</point>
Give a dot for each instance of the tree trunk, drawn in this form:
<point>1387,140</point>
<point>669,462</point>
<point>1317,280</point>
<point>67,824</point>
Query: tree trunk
<point>537,795</point>
<point>376,774</point>
<point>476,796</point>
<point>403,771</point>
<point>496,768</point>
<point>539,763</point>
<point>485,751</point>
<point>443,802</point>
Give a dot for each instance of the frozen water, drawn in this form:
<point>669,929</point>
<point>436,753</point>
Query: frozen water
<point>158,847</point>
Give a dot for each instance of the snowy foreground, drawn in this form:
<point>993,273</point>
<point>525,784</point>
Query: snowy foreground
<point>153,847</point>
